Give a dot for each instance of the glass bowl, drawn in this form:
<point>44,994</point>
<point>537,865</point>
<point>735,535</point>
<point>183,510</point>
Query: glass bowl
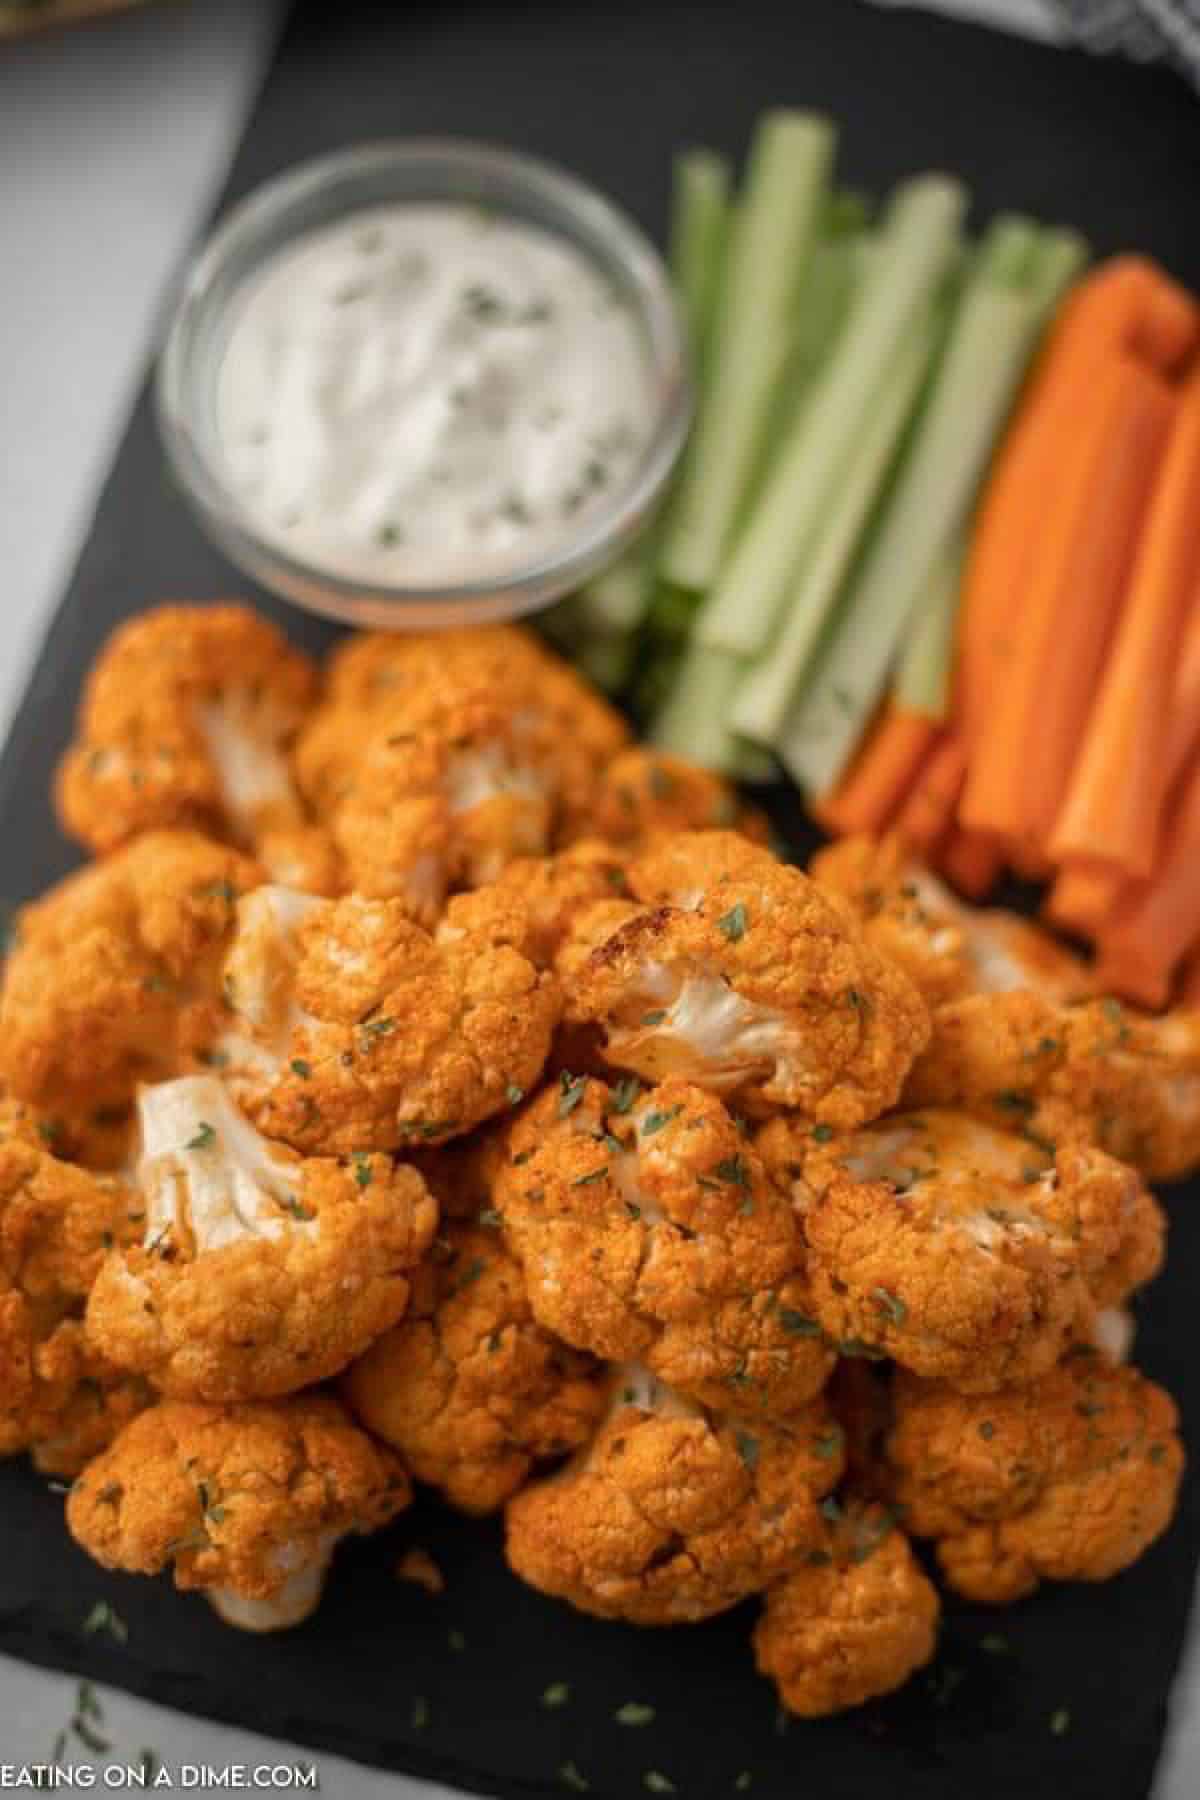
<point>418,169</point>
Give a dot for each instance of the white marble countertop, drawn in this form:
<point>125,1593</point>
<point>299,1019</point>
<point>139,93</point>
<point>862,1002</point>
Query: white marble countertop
<point>114,141</point>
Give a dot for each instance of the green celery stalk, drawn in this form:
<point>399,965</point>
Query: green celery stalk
<point>922,679</point>
<point>776,223</point>
<point>918,242</point>
<point>700,220</point>
<point>692,721</point>
<point>766,694</point>
<point>992,336</point>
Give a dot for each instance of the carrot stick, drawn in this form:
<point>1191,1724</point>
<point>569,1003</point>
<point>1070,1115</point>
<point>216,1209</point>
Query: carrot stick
<point>970,862</point>
<point>1158,921</point>
<point>1027,743</point>
<point>927,813</point>
<point>1128,303</point>
<point>879,777</point>
<point>1086,895</point>
<point>1115,799</point>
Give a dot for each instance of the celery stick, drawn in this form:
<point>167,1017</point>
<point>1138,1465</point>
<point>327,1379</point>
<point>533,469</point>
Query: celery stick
<point>776,222</point>
<point>700,216</point>
<point>693,720</point>
<point>1062,256</point>
<point>918,241</point>
<point>763,699</point>
<point>922,680</point>
<point>991,339</point>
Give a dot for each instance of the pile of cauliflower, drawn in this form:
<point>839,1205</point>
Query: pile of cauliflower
<point>424,1081</point>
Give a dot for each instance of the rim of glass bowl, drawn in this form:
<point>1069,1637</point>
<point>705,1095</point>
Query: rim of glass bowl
<point>318,192</point>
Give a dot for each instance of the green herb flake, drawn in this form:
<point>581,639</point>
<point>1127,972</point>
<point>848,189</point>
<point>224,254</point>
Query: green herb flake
<point>362,1169</point>
<point>557,1694</point>
<point>822,1133</point>
<point>732,1169</point>
<point>377,1028</point>
<point>1060,1722</point>
<point>488,1217</point>
<point>747,1448</point>
<point>591,1176</point>
<point>891,1304</point>
<point>571,1777</point>
<point>655,1782</point>
<point>828,1444</point>
<point>995,1643</point>
<point>634,1713</point>
<point>456,1641</point>
<point>572,1089</point>
<point>655,1121</point>
<point>204,1139</point>
<point>744,1782</point>
<point>655,1017</point>
<point>420,1713</point>
<point>514,1094</point>
<point>831,1509</point>
<point>301,1068</point>
<point>798,1324</point>
<point>625,1093</point>
<point>732,924</point>
<point>103,1618</point>
<point>987,1430</point>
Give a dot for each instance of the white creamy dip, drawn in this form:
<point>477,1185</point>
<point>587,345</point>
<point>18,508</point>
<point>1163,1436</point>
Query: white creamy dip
<point>429,393</point>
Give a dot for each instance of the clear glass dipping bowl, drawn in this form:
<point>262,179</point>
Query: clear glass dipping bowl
<point>417,169</point>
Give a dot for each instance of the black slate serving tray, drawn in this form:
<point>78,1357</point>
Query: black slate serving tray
<point>613,91</point>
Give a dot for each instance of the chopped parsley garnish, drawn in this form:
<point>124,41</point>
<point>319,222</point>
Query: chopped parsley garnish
<point>470,1274</point>
<point>831,1509</point>
<point>571,1777</point>
<point>488,1216</point>
<point>103,1618</point>
<point>733,923</point>
<point>854,1346</point>
<point>362,1169</point>
<point>591,1176</point>
<point>204,1139</point>
<point>557,1694</point>
<point>387,535</point>
<point>654,1018</point>
<point>514,1094</point>
<point>822,1133</point>
<point>747,1447</point>
<point>987,1431</point>
<point>1060,1722</point>
<point>733,1170</point>
<point>572,1088</point>
<point>292,1204</point>
<point>891,1304</point>
<point>301,1068</point>
<point>828,1444</point>
<point>625,1093</point>
<point>377,1028</point>
<point>634,1713</point>
<point>797,1323</point>
<point>655,1121</point>
<point>995,1643</point>
<point>657,1783</point>
<point>743,1783</point>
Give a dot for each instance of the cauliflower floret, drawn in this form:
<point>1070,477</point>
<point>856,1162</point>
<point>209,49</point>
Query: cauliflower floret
<point>1067,1479</point>
<point>948,948</point>
<point>115,975</point>
<point>1130,1082</point>
<point>647,1231</point>
<point>762,991</point>
<point>381,682</point>
<point>186,720</point>
<point>670,1514</point>
<point>444,802</point>
<point>964,1252</point>
<point>853,1621</point>
<point>246,1502</point>
<point>304,858</point>
<point>469,1388</point>
<point>677,869</point>
<point>57,1223</point>
<point>259,1272</point>
<point>645,793</point>
<point>350,1028</point>
<point>536,903</point>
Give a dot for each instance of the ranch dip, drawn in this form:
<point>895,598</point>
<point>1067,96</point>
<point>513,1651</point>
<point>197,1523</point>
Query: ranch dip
<point>429,393</point>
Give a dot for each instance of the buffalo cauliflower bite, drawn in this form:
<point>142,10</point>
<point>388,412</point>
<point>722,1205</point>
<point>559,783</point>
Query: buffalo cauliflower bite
<point>187,720</point>
<point>762,991</point>
<point>58,1398</point>
<point>1069,1478</point>
<point>948,948</point>
<point>537,902</point>
<point>259,1272</point>
<point>350,1028</point>
<point>961,1251</point>
<point>647,1231</point>
<point>671,1514</point>
<point>852,1621</point>
<point>469,1388</point>
<point>115,974</point>
<point>245,1502</point>
<point>645,793</point>
<point>1130,1082</point>
<point>380,683</point>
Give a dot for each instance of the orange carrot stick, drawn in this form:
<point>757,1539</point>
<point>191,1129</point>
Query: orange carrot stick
<point>970,862</point>
<point>1127,304</point>
<point>1086,895</point>
<point>866,797</point>
<point>927,813</point>
<point>1027,743</point>
<point>1158,921</point>
<point>1114,803</point>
